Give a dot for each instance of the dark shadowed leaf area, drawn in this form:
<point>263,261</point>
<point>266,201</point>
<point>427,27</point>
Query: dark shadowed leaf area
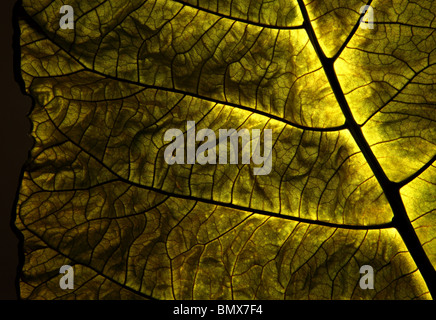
<point>353,177</point>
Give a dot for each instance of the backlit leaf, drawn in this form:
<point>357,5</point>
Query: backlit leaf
<point>352,114</point>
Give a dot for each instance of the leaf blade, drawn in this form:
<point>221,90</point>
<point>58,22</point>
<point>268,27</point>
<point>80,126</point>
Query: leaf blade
<point>92,119</point>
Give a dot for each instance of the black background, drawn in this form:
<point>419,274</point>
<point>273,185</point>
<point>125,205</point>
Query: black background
<point>15,143</point>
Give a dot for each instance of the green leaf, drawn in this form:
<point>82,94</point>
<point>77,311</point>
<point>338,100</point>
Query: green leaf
<point>352,112</point>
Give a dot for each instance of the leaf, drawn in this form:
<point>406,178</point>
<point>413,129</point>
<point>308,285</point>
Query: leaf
<point>352,112</point>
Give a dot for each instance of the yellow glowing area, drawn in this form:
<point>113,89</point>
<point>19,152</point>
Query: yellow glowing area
<point>398,255</point>
<point>396,112</point>
<point>395,154</point>
<point>306,105</point>
<point>333,22</point>
<point>355,85</point>
<point>419,197</point>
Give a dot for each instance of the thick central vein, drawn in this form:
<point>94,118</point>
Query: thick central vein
<point>391,190</point>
